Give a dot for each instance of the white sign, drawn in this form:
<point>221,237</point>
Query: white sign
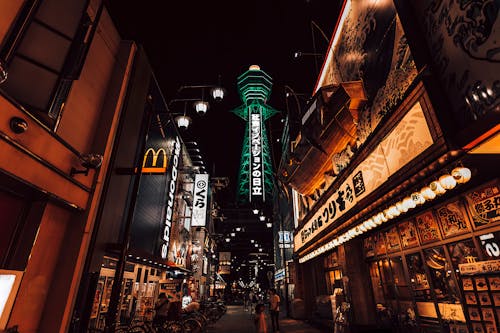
<point>171,199</point>
<point>256,160</point>
<point>200,196</point>
<point>480,267</point>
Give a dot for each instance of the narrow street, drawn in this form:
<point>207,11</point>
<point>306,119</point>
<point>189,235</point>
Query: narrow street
<point>237,320</point>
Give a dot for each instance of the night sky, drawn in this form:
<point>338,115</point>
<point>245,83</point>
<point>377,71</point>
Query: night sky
<point>195,42</point>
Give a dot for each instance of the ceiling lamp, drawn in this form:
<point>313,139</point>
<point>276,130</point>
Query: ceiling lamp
<point>262,218</point>
<point>255,211</point>
<point>269,224</point>
<point>218,93</point>
<point>183,121</point>
<point>201,107</point>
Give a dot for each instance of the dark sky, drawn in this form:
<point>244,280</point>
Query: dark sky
<point>192,42</point>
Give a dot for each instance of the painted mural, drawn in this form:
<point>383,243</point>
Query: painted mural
<point>463,38</point>
<point>372,47</point>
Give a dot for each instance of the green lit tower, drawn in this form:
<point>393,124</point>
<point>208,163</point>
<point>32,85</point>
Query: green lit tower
<point>255,180</point>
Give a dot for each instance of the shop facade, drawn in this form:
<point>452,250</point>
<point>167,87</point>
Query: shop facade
<point>399,191</point>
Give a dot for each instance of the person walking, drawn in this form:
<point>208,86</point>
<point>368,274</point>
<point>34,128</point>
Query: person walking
<point>260,319</point>
<point>274,309</point>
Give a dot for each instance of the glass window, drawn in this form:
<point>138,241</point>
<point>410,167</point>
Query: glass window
<point>378,293</point>
<point>399,279</point>
<point>463,252</point>
<point>418,278</point>
<point>441,275</point>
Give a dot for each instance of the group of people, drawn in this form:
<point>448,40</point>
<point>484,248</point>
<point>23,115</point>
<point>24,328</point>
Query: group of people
<point>260,318</point>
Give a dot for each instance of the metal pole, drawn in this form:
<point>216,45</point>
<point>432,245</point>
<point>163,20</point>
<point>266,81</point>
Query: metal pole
<point>114,300</point>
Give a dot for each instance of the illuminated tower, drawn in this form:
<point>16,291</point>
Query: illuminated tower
<point>255,180</point>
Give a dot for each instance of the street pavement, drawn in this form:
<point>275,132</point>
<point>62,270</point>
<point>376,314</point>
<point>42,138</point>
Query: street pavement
<point>237,320</point>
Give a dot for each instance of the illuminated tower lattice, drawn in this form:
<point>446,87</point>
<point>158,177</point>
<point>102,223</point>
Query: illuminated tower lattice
<point>255,180</point>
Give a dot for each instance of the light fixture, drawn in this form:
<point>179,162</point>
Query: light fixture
<point>269,224</point>
<point>201,107</point>
<point>218,93</point>
<point>262,218</point>
<point>437,188</point>
<point>183,121</point>
<point>233,234</point>
<point>461,174</point>
<point>447,181</point>
<point>255,211</point>
<point>252,241</point>
<point>228,240</point>
<point>238,229</point>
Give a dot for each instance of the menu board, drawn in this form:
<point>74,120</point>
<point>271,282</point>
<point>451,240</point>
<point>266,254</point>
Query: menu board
<point>452,219</point>
<point>483,205</point>
<point>427,227</point>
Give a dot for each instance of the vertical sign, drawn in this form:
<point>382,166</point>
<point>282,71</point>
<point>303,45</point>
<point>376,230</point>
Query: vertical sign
<point>171,197</point>
<point>256,160</point>
<point>200,200</point>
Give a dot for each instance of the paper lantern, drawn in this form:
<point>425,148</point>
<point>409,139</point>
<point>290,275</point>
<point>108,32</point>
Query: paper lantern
<point>461,174</point>
<point>437,188</point>
<point>401,207</point>
<point>418,198</point>
<point>447,182</point>
<point>409,203</point>
<point>427,193</point>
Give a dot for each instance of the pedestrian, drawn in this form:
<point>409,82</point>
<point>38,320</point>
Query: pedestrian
<point>274,309</point>
<point>260,319</point>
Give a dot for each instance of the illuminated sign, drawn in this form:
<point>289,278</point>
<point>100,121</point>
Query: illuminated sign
<point>387,158</point>
<point>256,166</point>
<point>170,199</point>
<point>200,196</point>
<point>154,156</point>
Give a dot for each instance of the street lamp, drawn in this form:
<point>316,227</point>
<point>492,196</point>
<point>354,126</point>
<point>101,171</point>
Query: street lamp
<point>200,105</point>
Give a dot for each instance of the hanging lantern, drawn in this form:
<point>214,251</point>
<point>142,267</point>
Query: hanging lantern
<point>409,203</point>
<point>461,174</point>
<point>394,211</point>
<point>401,207</point>
<point>418,198</point>
<point>427,193</point>
<point>383,217</point>
<point>363,228</point>
<point>447,182</point>
<point>183,121</point>
<point>437,188</point>
<point>388,214</point>
<point>377,220</point>
<point>201,107</point>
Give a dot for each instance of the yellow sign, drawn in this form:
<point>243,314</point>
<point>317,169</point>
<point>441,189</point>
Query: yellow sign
<point>152,156</point>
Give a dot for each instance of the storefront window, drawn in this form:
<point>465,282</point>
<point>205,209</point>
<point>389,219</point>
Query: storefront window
<point>441,275</point>
<point>418,278</point>
<point>378,293</point>
<point>463,252</point>
<point>400,280</point>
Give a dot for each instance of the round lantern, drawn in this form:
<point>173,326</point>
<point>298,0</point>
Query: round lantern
<point>427,193</point>
<point>437,188</point>
<point>382,217</point>
<point>401,207</point>
<point>461,174</point>
<point>409,203</point>
<point>447,182</point>
<point>394,211</point>
<point>418,198</point>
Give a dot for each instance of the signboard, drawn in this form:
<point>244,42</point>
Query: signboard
<point>170,198</point>
<point>256,159</point>
<point>389,156</point>
<point>480,267</point>
<point>279,275</point>
<point>200,195</point>
<point>285,239</point>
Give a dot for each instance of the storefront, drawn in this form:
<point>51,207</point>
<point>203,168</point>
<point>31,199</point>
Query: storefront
<point>440,268</point>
